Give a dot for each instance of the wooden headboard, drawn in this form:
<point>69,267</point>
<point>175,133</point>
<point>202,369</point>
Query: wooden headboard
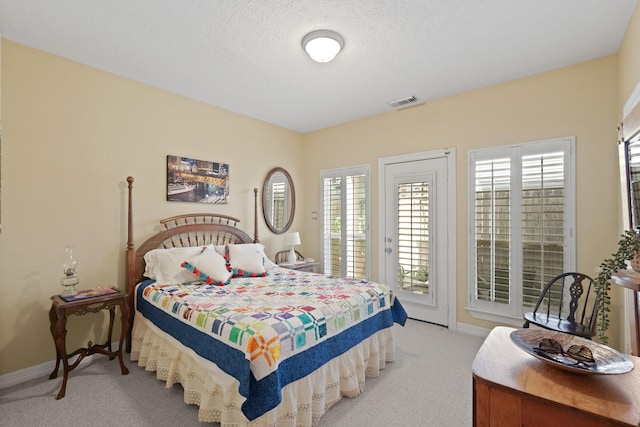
<point>198,229</point>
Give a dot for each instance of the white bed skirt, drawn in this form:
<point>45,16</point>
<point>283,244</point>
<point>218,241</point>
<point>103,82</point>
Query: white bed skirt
<point>216,393</point>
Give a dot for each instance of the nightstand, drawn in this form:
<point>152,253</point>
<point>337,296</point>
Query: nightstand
<point>301,266</point>
<point>61,310</point>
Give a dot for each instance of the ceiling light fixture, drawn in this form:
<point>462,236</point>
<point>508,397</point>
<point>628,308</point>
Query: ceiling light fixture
<point>322,45</point>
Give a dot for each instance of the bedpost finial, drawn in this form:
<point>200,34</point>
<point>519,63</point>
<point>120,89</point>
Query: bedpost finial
<point>130,179</point>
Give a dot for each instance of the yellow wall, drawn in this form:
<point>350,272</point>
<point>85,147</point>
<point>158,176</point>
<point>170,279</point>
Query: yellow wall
<point>580,100</point>
<point>629,59</point>
<point>71,134</point>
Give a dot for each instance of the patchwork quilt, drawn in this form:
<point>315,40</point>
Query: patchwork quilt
<point>269,331</point>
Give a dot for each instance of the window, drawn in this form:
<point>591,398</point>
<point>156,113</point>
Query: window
<point>413,236</point>
<point>633,149</point>
<point>278,202</point>
<point>521,222</point>
<point>345,221</point>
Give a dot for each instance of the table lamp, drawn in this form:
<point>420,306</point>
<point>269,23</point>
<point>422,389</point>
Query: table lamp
<point>292,239</point>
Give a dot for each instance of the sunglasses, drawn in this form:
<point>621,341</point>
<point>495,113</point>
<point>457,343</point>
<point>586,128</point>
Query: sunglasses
<point>580,354</point>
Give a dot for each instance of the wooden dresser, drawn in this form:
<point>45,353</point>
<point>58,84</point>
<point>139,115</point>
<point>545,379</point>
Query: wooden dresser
<point>513,388</point>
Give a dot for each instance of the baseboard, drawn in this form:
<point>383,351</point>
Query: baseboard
<point>473,330</point>
<point>44,369</point>
<point>39,371</point>
<point>27,374</point>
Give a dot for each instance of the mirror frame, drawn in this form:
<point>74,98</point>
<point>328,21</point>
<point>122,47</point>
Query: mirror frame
<point>265,191</point>
<point>628,133</point>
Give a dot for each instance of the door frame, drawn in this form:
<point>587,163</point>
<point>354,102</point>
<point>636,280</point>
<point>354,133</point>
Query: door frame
<point>450,155</point>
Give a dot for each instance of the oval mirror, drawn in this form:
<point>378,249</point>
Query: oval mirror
<point>278,200</point>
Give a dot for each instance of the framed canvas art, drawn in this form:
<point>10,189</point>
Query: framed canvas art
<point>200,181</point>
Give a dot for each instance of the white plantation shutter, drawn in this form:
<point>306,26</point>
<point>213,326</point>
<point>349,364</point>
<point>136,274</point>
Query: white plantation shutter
<point>356,226</point>
<point>522,215</point>
<point>345,222</point>
<point>413,236</point>
<point>493,229</point>
<point>543,181</point>
<point>634,177</point>
<point>278,204</point>
<point>332,236</point>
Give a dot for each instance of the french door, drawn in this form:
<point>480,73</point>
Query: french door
<point>416,226</point>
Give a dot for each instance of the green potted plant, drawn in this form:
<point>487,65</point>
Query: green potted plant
<point>628,246</point>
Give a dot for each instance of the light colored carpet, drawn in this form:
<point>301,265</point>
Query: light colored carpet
<point>428,385</point>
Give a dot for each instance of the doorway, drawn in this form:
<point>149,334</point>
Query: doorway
<point>417,233</point>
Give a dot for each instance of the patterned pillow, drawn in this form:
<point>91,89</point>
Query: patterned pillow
<point>258,246</point>
<point>209,267</point>
<point>245,260</point>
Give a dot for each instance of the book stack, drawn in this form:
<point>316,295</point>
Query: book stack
<point>91,293</point>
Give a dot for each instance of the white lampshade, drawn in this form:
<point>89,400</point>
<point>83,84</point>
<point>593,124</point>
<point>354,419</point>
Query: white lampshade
<point>322,45</point>
<point>292,239</point>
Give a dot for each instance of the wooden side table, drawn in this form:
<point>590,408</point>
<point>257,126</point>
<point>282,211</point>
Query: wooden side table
<point>301,266</point>
<point>513,388</point>
<point>61,310</point>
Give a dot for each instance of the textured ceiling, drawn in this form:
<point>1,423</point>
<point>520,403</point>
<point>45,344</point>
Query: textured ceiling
<point>245,55</point>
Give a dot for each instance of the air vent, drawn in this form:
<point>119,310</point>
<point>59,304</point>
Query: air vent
<point>403,102</point>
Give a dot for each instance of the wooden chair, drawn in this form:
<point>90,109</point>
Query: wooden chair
<point>283,256</point>
<point>568,303</point>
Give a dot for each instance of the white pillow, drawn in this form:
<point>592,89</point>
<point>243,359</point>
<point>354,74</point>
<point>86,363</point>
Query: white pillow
<point>267,262</point>
<point>208,266</point>
<point>219,248</point>
<point>247,260</point>
<point>164,265</point>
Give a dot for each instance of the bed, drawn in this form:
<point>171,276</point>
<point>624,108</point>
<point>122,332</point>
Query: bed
<point>251,343</point>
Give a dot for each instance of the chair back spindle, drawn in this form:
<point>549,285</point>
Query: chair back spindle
<point>570,305</point>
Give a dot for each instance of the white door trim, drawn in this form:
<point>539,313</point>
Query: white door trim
<point>633,100</point>
<point>450,154</point>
